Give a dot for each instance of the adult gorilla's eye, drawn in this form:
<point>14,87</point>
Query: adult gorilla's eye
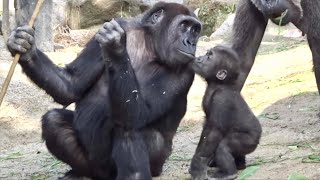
<point>156,16</point>
<point>183,26</point>
<point>196,30</point>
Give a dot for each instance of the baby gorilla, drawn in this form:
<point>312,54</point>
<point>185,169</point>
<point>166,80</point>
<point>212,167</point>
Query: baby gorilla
<point>231,130</point>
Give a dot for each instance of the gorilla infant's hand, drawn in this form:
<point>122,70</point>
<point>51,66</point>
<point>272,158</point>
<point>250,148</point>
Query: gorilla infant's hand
<point>22,41</point>
<point>112,38</point>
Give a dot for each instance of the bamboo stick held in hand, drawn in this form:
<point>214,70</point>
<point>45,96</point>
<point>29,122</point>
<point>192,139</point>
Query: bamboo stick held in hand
<point>17,56</point>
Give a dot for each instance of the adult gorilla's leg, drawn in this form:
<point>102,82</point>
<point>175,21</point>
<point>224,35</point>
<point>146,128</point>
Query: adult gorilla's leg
<point>61,140</point>
<point>314,43</point>
<point>159,136</point>
<point>157,150</point>
<point>130,155</point>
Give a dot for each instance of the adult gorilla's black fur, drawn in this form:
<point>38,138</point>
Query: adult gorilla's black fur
<point>231,130</point>
<point>129,101</point>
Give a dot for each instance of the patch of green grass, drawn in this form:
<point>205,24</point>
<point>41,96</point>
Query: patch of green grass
<point>15,155</point>
<point>272,116</point>
<point>312,158</point>
<point>37,177</point>
<point>180,157</point>
<point>297,176</point>
<point>184,128</point>
<point>281,44</point>
<point>249,171</point>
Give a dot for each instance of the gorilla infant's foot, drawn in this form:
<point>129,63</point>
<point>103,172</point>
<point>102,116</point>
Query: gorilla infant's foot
<point>71,175</point>
<point>241,166</point>
<point>240,162</point>
<point>199,168</point>
<point>223,176</point>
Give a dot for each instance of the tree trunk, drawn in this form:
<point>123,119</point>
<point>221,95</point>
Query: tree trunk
<point>5,20</point>
<point>74,16</point>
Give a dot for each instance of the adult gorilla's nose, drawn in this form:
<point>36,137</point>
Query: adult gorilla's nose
<point>187,42</point>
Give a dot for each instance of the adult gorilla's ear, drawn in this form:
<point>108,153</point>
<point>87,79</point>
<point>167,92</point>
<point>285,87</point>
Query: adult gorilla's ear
<point>157,16</point>
<point>222,74</point>
<point>153,17</point>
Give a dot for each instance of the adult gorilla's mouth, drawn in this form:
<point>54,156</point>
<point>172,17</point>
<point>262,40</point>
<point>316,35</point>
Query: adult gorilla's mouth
<point>189,55</point>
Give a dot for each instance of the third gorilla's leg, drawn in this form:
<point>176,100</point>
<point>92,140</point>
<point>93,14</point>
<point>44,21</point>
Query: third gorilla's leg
<point>314,43</point>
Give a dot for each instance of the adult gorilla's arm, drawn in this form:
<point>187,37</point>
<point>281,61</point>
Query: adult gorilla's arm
<point>65,85</point>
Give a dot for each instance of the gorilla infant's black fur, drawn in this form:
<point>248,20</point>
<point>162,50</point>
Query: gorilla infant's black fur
<point>130,86</point>
<point>231,130</point>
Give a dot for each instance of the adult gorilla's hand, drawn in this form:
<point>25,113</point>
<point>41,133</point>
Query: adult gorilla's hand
<point>112,38</point>
<point>22,41</point>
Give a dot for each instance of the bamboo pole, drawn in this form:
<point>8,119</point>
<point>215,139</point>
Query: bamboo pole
<point>17,56</point>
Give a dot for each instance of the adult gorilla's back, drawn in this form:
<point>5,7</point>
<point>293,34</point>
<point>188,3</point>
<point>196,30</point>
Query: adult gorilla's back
<point>130,91</point>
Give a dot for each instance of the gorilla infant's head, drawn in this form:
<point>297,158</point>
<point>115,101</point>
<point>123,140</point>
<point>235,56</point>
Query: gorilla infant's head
<point>220,65</point>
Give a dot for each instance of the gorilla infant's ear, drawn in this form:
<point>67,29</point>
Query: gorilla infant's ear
<point>222,74</point>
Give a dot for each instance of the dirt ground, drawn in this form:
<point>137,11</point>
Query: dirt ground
<point>281,91</point>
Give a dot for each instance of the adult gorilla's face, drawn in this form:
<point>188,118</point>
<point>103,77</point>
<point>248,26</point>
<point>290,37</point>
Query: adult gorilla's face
<point>176,32</point>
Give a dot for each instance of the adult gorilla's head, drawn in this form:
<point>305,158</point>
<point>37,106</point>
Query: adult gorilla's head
<point>173,32</point>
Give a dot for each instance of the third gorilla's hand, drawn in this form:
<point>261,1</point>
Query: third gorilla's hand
<point>112,38</point>
<point>22,41</point>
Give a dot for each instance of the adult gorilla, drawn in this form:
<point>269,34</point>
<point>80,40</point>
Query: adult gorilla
<point>130,88</point>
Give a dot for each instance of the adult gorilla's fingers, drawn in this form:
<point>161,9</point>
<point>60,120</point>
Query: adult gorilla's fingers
<point>26,29</point>
<point>117,37</point>
<point>23,43</point>
<point>16,48</point>
<point>103,31</point>
<point>110,37</point>
<point>26,36</point>
<point>103,39</point>
<point>117,27</point>
<point>108,26</point>
<point>99,38</point>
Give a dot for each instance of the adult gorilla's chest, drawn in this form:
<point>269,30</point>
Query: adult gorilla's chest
<point>157,80</point>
